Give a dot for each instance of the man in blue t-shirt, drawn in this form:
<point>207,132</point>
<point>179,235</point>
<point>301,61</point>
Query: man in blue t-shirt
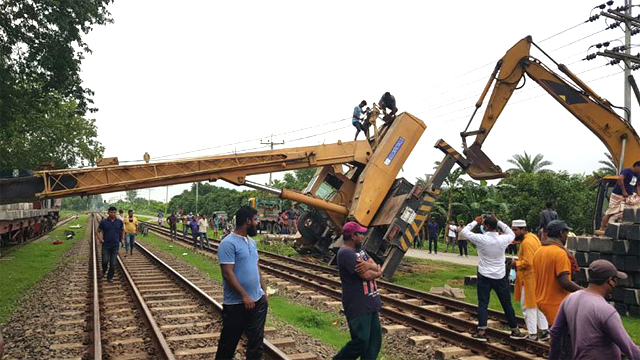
<point>360,297</point>
<point>110,235</point>
<point>245,298</point>
<point>624,188</point>
<point>357,119</point>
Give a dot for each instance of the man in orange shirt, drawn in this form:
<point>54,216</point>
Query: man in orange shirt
<point>525,284</point>
<point>553,270</point>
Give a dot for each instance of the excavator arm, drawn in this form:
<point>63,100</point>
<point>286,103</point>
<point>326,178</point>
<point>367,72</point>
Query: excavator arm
<point>591,110</point>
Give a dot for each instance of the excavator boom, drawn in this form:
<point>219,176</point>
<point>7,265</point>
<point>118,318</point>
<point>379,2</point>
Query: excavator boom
<point>578,98</point>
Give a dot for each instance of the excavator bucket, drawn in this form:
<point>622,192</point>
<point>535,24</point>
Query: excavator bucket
<point>480,166</point>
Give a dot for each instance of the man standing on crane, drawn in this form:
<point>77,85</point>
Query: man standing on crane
<point>625,187</point>
<point>388,102</point>
<point>357,119</point>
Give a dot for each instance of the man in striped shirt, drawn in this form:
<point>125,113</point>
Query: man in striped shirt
<point>360,298</point>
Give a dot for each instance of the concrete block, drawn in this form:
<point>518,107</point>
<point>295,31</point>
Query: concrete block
<point>621,308</point>
<point>333,303</point>
<point>632,263</point>
<point>437,290</point>
<point>593,256</point>
<point>618,262</point>
<point>632,232</point>
<point>617,294</point>
<point>631,296</point>
<point>421,339</point>
<point>582,275</point>
<point>458,293</point>
<point>608,257</point>
<point>602,245</point>
<point>621,247</point>
<point>629,215</point>
<point>461,315</point>
<point>451,352</point>
<point>581,257</point>
<point>572,243</point>
<point>628,282</point>
<point>438,308</point>
<point>393,328</point>
<point>612,231</point>
<point>495,324</point>
<point>633,310</point>
<point>584,243</point>
<point>636,279</point>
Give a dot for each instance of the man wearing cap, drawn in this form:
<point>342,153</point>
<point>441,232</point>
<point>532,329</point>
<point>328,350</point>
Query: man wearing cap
<point>360,298</point>
<point>492,274</point>
<point>525,284</point>
<point>594,325</point>
<point>553,270</point>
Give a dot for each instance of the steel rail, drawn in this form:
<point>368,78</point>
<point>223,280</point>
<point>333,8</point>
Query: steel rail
<point>95,316</point>
<point>533,346</point>
<point>431,298</point>
<point>157,337</point>
<point>450,335</point>
<point>271,349</point>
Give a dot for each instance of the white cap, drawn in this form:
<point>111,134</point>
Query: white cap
<point>519,223</point>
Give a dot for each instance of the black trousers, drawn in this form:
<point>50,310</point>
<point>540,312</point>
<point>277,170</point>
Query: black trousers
<point>501,287</point>
<point>433,240</point>
<point>237,320</point>
<point>462,245</point>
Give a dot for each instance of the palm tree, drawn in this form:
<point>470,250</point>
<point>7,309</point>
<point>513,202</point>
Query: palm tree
<point>526,164</point>
<point>609,166</point>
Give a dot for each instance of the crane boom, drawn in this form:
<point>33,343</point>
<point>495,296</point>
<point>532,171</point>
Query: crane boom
<point>591,110</point>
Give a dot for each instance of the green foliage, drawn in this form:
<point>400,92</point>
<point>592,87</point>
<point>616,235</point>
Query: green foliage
<point>215,198</point>
<point>526,164</point>
<point>522,196</point>
<point>131,195</point>
<point>42,100</point>
<point>572,197</point>
<point>296,180</point>
<point>86,203</point>
<point>140,206</point>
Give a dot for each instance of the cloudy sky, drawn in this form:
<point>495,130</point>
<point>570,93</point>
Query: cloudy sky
<point>189,79</point>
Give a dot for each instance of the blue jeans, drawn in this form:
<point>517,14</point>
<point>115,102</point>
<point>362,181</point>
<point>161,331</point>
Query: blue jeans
<point>129,241</point>
<point>185,231</point>
<point>109,260</point>
<point>501,287</point>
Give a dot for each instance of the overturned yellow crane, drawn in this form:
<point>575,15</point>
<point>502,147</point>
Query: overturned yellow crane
<point>354,181</point>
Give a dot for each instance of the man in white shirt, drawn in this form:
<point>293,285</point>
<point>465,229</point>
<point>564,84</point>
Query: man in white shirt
<point>492,272</point>
<point>452,235</point>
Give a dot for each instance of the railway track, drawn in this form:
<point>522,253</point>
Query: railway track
<point>448,319</point>
<point>152,311</point>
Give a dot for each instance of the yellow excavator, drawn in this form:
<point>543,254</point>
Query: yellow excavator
<point>593,111</point>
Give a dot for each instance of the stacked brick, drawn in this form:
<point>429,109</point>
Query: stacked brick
<point>621,246</point>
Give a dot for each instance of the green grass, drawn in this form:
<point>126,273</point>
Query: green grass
<point>67,213</point>
<point>278,248</point>
<point>438,273</point>
<point>28,264</point>
<point>325,326</point>
<point>471,249</point>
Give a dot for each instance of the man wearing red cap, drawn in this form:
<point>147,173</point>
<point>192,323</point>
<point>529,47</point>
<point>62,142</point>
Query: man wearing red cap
<point>594,325</point>
<point>360,298</point>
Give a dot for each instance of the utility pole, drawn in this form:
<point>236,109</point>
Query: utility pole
<point>197,197</point>
<point>166,201</point>
<point>627,65</point>
<point>149,198</point>
<point>271,143</point>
